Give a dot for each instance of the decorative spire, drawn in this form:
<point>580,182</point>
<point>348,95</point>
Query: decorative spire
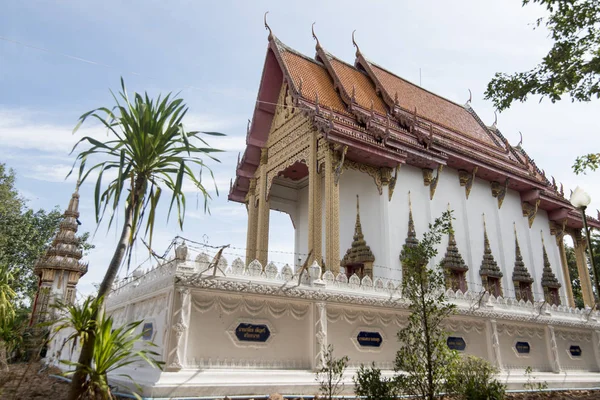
<point>267,27</point>
<point>355,45</point>
<point>520,273</point>
<point>488,264</point>
<point>63,256</point>
<point>411,238</point>
<point>453,259</point>
<point>548,278</point>
<point>359,252</point>
<point>64,253</point>
<point>318,46</point>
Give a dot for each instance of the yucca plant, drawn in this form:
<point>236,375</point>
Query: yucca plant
<point>79,317</point>
<point>150,150</point>
<point>113,349</point>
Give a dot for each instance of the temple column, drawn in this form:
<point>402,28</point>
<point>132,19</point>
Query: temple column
<point>552,349</point>
<point>314,203</point>
<point>252,223</point>
<point>262,231</point>
<point>494,352</point>
<point>565,269</point>
<point>332,215</point>
<point>180,322</point>
<point>579,246</point>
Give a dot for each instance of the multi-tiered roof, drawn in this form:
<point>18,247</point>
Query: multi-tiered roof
<point>386,120</point>
<point>64,254</point>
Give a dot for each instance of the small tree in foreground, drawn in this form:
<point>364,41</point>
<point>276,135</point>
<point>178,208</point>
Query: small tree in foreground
<point>425,362</point>
<point>474,380</point>
<point>331,374</point>
<point>372,386</point>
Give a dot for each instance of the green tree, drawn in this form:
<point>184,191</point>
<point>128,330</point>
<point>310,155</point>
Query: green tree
<point>24,236</point>
<point>150,150</point>
<point>572,66</point>
<point>7,313</point>
<point>574,275</point>
<point>474,379</point>
<point>424,359</point>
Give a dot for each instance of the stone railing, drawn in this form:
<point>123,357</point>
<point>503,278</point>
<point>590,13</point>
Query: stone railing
<point>188,272</point>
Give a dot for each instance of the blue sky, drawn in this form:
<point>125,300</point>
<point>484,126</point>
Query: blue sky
<point>213,53</point>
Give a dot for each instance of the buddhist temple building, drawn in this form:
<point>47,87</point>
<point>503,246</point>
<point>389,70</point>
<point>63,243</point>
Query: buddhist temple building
<point>363,161</point>
<point>325,131</point>
<point>60,268</point>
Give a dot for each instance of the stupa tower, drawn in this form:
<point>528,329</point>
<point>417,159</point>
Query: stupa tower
<point>60,268</point>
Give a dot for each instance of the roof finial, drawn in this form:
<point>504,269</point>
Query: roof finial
<point>520,141</point>
<point>315,36</point>
<point>355,45</point>
<point>470,97</point>
<point>267,27</point>
<point>495,119</point>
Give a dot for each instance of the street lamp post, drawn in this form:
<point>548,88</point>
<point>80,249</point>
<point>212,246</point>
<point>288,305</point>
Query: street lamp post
<point>580,200</point>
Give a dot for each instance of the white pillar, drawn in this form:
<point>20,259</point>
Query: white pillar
<point>552,349</point>
<point>320,336</point>
<point>494,344</point>
<point>180,322</point>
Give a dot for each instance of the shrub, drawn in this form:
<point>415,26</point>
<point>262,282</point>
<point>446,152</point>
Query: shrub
<point>473,379</point>
<point>331,374</point>
<point>369,384</point>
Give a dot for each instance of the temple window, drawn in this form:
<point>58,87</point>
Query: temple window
<point>457,281</point>
<point>359,258</point>
<point>523,292</point>
<point>494,286</point>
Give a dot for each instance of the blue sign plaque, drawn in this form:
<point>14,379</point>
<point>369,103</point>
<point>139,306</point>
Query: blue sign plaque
<point>456,343</point>
<point>147,331</point>
<point>252,332</point>
<point>575,351</point>
<point>522,347</point>
<point>369,339</point>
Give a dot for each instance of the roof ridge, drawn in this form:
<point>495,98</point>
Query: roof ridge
<point>414,84</point>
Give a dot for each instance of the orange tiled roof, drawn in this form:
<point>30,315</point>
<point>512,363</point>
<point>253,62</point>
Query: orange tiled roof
<point>364,89</point>
<point>431,106</point>
<point>315,79</point>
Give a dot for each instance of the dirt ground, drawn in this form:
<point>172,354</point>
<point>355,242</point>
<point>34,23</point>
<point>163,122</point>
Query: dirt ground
<point>36,384</point>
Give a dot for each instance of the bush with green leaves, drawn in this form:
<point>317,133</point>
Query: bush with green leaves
<point>331,374</point>
<point>474,379</point>
<point>369,383</point>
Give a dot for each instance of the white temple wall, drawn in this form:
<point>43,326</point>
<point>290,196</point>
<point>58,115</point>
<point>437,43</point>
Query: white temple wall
<point>344,325</point>
<point>354,183</point>
<point>409,179</point>
<point>212,340</point>
<point>585,341</point>
<point>301,232</point>
<point>449,192</point>
<point>534,336</point>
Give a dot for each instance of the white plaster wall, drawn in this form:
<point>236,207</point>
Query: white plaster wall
<point>354,183</point>
<point>567,338</point>
<point>537,358</point>
<point>208,338</point>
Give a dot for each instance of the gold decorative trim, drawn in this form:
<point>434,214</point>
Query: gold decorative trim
<point>466,179</point>
<point>392,184</point>
<point>435,181</point>
<point>499,192</point>
<point>427,176</point>
<point>530,211</point>
<point>340,165</point>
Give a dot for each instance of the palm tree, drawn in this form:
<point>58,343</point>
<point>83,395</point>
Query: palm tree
<point>150,151</point>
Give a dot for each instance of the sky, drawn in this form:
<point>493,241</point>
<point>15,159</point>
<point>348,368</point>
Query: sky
<point>61,59</point>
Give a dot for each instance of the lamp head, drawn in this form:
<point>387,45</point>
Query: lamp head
<point>579,198</point>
